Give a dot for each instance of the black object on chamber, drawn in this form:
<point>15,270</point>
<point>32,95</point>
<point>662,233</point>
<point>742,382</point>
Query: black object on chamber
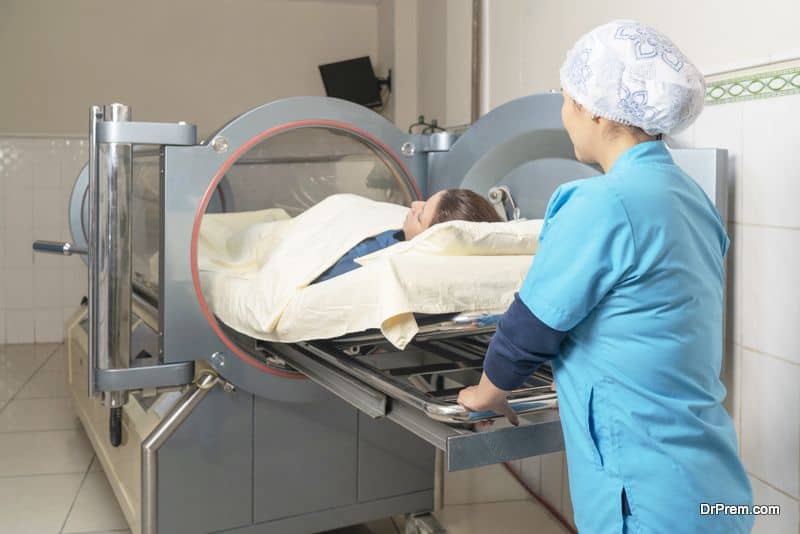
<point>353,80</point>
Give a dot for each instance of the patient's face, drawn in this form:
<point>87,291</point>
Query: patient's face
<point>420,215</point>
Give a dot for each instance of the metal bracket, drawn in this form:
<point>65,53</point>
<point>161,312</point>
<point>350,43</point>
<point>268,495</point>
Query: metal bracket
<point>438,142</point>
<point>152,376</point>
<point>538,433</point>
<point>147,133</point>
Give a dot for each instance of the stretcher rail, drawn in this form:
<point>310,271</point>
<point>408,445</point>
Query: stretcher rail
<point>446,356</point>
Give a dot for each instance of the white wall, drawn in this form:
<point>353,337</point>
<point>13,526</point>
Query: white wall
<point>427,46</point>
<point>529,39</point>
<point>445,46</point>
<point>201,61</point>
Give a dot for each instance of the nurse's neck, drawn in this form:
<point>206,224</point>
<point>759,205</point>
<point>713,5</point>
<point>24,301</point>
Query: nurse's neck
<point>616,140</point>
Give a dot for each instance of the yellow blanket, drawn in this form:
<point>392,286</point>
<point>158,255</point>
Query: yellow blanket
<point>256,267</point>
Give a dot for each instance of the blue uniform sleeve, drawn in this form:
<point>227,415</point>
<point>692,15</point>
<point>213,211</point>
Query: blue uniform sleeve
<point>520,344</point>
<point>586,248</point>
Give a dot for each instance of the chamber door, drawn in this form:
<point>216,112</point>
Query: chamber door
<point>521,145</point>
<point>287,156</point>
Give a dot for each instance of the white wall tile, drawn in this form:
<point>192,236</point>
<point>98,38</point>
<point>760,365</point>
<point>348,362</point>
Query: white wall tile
<point>19,170</point>
<point>49,326</point>
<point>75,284</point>
<point>2,243</point>
<point>19,326</point>
<point>685,139</point>
<point>771,420</point>
<point>49,209</point>
<point>18,247</point>
<point>47,166</point>
<point>720,126</point>
<point>18,291</point>
<point>48,287</point>
<point>789,518</point>
<point>17,208</point>
<point>771,290</point>
<point>733,285</point>
<point>772,161</point>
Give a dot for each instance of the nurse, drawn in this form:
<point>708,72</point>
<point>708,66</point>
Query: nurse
<point>624,299</point>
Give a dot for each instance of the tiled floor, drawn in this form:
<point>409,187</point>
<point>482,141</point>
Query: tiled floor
<point>50,480</point>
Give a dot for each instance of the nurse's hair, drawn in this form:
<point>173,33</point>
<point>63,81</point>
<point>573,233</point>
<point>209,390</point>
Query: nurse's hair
<point>464,205</point>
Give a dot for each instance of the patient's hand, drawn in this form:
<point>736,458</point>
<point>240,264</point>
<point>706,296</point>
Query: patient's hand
<point>487,397</point>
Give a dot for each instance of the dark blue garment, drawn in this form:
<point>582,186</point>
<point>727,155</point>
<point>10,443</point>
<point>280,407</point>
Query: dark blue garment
<point>520,344</point>
<point>372,244</point>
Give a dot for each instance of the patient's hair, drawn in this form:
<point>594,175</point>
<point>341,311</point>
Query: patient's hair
<point>464,205</point>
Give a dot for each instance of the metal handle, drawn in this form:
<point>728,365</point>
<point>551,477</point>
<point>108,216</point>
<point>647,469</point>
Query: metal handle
<point>58,247</point>
<point>110,274</point>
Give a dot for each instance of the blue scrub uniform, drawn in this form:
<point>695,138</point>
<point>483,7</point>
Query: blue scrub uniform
<point>626,296</point>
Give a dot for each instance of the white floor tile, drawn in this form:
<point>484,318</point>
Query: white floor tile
<point>96,466</point>
<point>96,507</point>
<point>552,478</point>
<point>58,362</point>
<point>42,453</point>
<point>531,472</point>
<point>25,415</point>
<point>514,517</point>
<point>45,384</point>
<point>17,364</point>
<point>38,504</point>
<point>789,518</point>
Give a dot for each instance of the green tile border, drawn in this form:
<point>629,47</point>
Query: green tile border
<point>757,85</point>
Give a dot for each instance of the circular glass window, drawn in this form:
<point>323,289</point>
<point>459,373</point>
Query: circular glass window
<point>291,170</point>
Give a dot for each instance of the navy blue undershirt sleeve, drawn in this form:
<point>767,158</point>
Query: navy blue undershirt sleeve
<point>348,263</point>
<point>520,344</point>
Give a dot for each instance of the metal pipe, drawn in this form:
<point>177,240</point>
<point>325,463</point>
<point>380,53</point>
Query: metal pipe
<point>119,166</point>
<point>165,429</point>
<point>477,29</point>
<point>94,250</point>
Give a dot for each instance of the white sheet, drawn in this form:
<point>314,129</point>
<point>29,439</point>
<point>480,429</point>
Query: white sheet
<point>255,269</point>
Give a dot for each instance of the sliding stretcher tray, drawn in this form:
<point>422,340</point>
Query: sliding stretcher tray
<point>417,388</point>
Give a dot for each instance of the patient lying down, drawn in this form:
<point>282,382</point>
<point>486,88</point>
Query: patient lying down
<point>257,269</point>
<point>447,205</point>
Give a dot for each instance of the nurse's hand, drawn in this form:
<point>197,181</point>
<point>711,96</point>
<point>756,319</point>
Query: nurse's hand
<point>486,397</point>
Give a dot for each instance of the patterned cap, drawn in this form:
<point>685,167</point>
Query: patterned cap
<point>630,73</point>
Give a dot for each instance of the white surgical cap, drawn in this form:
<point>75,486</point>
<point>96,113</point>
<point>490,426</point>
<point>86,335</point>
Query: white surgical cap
<point>630,73</point>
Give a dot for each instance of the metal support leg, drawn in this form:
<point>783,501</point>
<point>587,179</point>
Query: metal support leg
<point>185,406</point>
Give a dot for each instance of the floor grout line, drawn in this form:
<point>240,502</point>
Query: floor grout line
<point>77,493</point>
<point>36,475</point>
<point>45,362</point>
